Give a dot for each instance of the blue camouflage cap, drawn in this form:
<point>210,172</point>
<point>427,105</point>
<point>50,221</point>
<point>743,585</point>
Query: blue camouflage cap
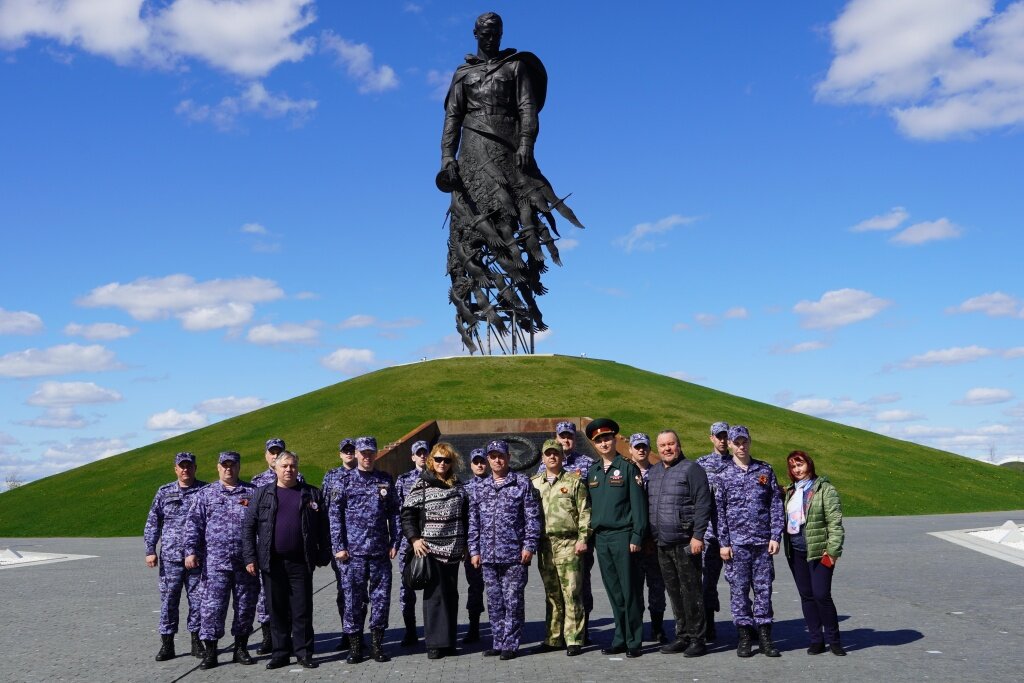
<point>639,438</point>
<point>184,456</point>
<point>498,446</point>
<point>477,453</point>
<point>346,442</point>
<point>226,456</point>
<point>738,431</point>
<point>565,427</point>
<point>719,427</point>
<point>420,445</point>
<point>366,443</point>
<point>275,443</point>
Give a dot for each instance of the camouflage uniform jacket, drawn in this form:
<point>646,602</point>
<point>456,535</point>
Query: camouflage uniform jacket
<point>213,529</point>
<point>268,476</point>
<point>713,464</point>
<point>503,520</point>
<point>404,484</point>
<point>364,514</point>
<point>331,479</point>
<point>749,505</point>
<point>166,520</point>
<point>565,504</point>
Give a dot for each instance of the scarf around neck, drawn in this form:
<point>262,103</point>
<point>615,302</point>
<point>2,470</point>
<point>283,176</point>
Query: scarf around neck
<point>796,510</point>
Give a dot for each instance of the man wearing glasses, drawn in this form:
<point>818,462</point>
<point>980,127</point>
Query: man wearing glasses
<point>504,527</point>
<point>347,454</point>
<point>407,596</point>
<point>618,519</point>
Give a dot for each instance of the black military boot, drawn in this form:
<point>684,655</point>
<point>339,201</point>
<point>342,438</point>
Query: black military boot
<point>241,655</point>
<point>745,641</point>
<point>709,626</point>
<point>342,643</point>
<point>764,638</point>
<point>209,655</point>
<point>166,648</point>
<point>658,628</point>
<point>410,638</point>
<point>267,644</point>
<point>355,648</point>
<point>473,632</point>
<point>377,646</point>
<point>197,645</point>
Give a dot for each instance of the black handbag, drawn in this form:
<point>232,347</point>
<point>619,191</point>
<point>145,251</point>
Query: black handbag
<point>419,572</point>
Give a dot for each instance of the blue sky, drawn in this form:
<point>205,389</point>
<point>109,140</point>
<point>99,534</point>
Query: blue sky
<point>209,206</point>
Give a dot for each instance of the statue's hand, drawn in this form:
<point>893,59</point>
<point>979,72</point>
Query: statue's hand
<point>524,157</point>
<point>450,168</point>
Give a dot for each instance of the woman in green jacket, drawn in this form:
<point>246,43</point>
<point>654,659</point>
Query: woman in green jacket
<point>814,542</point>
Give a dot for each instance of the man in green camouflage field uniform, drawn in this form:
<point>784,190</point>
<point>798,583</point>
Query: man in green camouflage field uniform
<point>566,506</point>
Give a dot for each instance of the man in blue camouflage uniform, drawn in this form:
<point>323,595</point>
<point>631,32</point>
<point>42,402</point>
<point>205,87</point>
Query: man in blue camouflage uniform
<point>750,522</point>
<point>504,529</point>
<point>165,524</point>
<point>650,570</point>
<point>575,461</point>
<point>213,541</point>
<point>713,464</point>
<point>347,454</point>
<point>475,575</point>
<point>365,532</point>
<point>407,596</point>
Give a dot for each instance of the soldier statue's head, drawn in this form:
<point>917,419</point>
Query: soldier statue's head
<point>487,31</point>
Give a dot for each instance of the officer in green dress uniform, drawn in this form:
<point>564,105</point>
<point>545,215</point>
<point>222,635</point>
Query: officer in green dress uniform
<point>619,521</point>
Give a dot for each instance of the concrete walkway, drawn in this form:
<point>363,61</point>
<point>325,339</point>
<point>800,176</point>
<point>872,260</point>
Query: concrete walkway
<point>912,607</point>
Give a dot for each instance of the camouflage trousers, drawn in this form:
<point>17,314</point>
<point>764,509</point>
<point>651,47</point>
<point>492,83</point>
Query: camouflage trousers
<point>406,596</point>
<point>475,592</point>
<point>506,588</point>
<point>366,580</point>
<point>751,568</point>
<point>174,577</point>
<point>561,570</point>
<point>219,586</point>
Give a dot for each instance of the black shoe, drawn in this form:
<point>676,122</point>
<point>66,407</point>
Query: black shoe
<point>377,646</point>
<point>277,662</point>
<point>492,653</point>
<point>473,632</point>
<point>676,646</point>
<point>450,651</point>
<point>764,638</point>
<point>197,646</point>
<point>342,644</point>
<point>166,648</point>
<point>837,650</point>
<point>613,650</point>
<point>267,644</point>
<point>507,654</point>
<point>434,653</point>
<point>355,648</point>
<point>544,647</point>
<point>307,662</point>
<point>633,653</point>
<point>241,655</point>
<point>816,648</point>
<point>745,641</point>
<point>573,650</point>
<point>696,648</point>
<point>209,655</point>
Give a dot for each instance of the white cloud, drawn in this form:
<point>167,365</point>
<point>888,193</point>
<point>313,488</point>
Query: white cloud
<point>254,229</point>
<point>985,396</point>
<point>19,322</point>
<point>951,356</point>
<point>357,58</point>
<point>706,319</point>
<point>58,417</point>
<point>896,416</point>
<point>567,244</point>
<point>825,407</point>
<point>802,347</point>
<point>59,457</point>
<point>686,377</point>
<point>680,327</point>
<point>838,308</point>
<point>357,321</point>
<point>736,313</point>
<point>71,393</point>
<point>927,231</point>
<point>348,361</point>
<point>112,28</point>
<point>255,99</point>
<point>994,304</point>
<point>997,440</point>
<point>1015,352</point>
<point>942,67</point>
<point>230,405</point>
<point>639,238</point>
<point>412,7</point>
<point>361,320</point>
<point>174,421</point>
<point>57,360</point>
<point>199,305</point>
<point>286,333</point>
<point>99,331</point>
<point>306,296</point>
<point>886,221</point>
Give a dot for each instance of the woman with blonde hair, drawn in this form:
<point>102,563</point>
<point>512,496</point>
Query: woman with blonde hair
<point>435,521</point>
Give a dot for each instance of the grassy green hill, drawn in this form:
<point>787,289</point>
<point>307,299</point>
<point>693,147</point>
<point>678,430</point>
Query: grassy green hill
<point>1014,465</point>
<point>876,475</point>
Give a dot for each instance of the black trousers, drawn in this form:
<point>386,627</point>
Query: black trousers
<point>441,606</point>
<point>681,571</point>
<point>814,584</point>
<point>289,586</point>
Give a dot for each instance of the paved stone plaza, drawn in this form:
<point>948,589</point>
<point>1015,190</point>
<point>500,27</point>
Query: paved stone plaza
<point>912,607</point>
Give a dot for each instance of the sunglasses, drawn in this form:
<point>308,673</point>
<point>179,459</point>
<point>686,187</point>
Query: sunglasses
<point>442,461</point>
<point>494,455</point>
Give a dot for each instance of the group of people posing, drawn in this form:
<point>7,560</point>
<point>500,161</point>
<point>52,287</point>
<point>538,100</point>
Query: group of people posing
<point>674,524</point>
